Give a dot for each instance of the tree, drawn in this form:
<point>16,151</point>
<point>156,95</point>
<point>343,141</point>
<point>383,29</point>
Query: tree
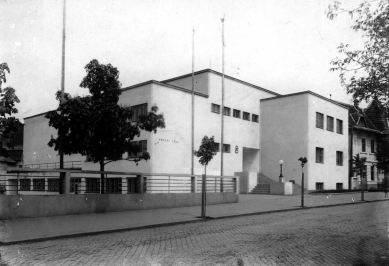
<point>358,165</point>
<point>364,72</point>
<point>96,125</point>
<point>8,123</point>
<point>207,150</point>
<point>382,156</point>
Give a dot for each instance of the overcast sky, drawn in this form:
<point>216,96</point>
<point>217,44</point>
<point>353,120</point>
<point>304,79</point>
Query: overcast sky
<point>285,46</point>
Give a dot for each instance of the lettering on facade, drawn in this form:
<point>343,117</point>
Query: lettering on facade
<point>168,140</point>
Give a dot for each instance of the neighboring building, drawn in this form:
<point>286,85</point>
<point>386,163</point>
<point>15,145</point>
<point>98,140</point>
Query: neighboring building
<point>309,125</point>
<point>366,128</point>
<point>261,127</point>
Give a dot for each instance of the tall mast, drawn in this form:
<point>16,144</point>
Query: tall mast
<point>222,109</point>
<point>192,150</point>
<point>62,83</point>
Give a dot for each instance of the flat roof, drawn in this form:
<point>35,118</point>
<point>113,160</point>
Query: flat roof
<point>220,74</point>
<point>304,92</point>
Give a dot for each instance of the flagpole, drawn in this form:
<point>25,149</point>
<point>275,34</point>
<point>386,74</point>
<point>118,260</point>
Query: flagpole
<point>192,150</point>
<point>222,109</point>
<point>62,94</point>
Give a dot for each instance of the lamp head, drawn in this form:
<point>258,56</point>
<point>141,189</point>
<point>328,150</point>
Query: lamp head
<point>281,162</point>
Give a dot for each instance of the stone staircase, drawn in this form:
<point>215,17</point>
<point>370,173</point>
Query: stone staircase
<point>263,185</point>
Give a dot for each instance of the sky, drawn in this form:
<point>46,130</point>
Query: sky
<point>284,46</point>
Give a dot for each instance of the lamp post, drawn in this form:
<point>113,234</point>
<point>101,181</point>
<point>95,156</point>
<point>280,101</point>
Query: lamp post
<point>303,161</point>
<point>281,176</point>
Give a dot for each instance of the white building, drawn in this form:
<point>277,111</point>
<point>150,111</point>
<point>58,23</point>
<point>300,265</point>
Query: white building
<point>260,128</point>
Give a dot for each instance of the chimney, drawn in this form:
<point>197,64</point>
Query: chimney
<point>356,103</point>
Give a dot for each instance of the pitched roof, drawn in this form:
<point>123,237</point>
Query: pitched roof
<point>376,114</point>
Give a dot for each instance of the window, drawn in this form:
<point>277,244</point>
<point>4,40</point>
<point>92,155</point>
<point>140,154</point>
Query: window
<point>227,111</point>
<point>217,147</point>
<point>339,186</point>
<point>319,186</point>
<point>38,184</point>
<point>372,172</point>
<point>246,116</point>
<point>365,171</point>
<point>372,146</point>
<point>339,158</point>
<point>92,185</point>
<point>319,155</point>
<point>236,113</point>
<point>362,122</point>
<point>319,120</point>
<point>139,146</point>
<point>138,110</point>
<point>215,108</point>
<point>339,126</point>
<point>254,118</point>
<point>330,123</point>
<point>133,185</point>
<point>73,183</point>
<point>363,145</point>
<point>53,184</point>
<point>25,184</point>
<point>226,148</point>
<point>113,185</point>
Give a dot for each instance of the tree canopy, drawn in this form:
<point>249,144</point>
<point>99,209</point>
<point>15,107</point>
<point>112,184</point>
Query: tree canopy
<point>364,72</point>
<point>8,98</point>
<point>96,125</point>
<point>207,150</point>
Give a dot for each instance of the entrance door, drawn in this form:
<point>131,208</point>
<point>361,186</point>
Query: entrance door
<point>250,160</point>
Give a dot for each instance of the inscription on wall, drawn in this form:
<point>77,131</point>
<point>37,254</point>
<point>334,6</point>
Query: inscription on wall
<point>167,140</point>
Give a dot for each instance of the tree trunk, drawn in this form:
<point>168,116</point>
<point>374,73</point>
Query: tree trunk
<point>102,177</point>
<point>362,185</point>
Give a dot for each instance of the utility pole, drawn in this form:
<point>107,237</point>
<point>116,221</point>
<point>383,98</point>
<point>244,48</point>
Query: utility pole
<point>62,179</point>
<point>192,150</point>
<point>222,109</point>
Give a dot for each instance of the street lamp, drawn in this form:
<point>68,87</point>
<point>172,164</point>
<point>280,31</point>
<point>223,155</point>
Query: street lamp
<point>303,161</point>
<point>281,176</point>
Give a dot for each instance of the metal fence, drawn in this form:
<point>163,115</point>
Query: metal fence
<point>66,165</point>
<point>12,184</point>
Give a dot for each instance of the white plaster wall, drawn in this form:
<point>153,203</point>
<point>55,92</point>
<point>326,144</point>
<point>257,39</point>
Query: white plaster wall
<point>328,172</point>
<point>284,136</point>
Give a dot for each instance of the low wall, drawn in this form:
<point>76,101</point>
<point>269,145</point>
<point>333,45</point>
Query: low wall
<point>32,206</point>
<point>247,181</point>
<point>285,188</point>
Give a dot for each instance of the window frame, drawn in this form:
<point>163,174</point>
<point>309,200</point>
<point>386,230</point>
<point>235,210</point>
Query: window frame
<point>236,113</point>
<point>319,158</point>
<point>137,110</point>
<point>217,146</point>
<point>372,167</point>
<point>226,148</point>
<point>215,108</point>
<point>372,146</point>
<point>247,118</point>
<point>143,144</point>
<point>53,184</point>
<point>255,118</point>
<point>38,184</point>
<point>319,120</point>
<point>339,158</point>
<point>339,126</point>
<point>330,125</point>
<point>319,186</point>
<point>227,111</point>
<point>363,144</point>
<point>339,186</point>
<point>26,186</point>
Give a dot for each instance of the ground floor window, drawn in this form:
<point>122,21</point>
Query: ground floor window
<point>73,183</point>
<point>339,186</point>
<point>25,184</point>
<point>113,185</point>
<point>92,185</point>
<point>132,185</point>
<point>372,172</point>
<point>319,186</point>
<point>53,184</point>
<point>38,184</point>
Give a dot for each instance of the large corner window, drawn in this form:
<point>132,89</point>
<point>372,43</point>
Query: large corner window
<point>319,120</point>
<point>138,110</point>
<point>330,123</point>
<point>319,155</point>
<point>339,126</point>
<point>215,108</point>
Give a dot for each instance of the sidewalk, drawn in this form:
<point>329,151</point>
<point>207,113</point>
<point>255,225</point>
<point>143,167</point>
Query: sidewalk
<point>19,230</point>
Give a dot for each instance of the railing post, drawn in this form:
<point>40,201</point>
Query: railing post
<point>67,183</point>
<point>194,184</point>
<point>221,185</point>
<point>142,187</point>
<point>236,185</point>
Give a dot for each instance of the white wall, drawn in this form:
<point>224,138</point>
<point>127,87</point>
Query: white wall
<point>328,172</point>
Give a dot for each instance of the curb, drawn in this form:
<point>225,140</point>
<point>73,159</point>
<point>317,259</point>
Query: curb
<point>181,222</point>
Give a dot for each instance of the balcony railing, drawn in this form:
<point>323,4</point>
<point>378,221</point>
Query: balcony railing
<point>66,165</point>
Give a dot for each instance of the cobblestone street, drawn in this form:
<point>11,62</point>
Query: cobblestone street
<point>346,235</point>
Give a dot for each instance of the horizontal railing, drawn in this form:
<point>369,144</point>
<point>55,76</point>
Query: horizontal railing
<point>66,165</point>
<point>12,184</point>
